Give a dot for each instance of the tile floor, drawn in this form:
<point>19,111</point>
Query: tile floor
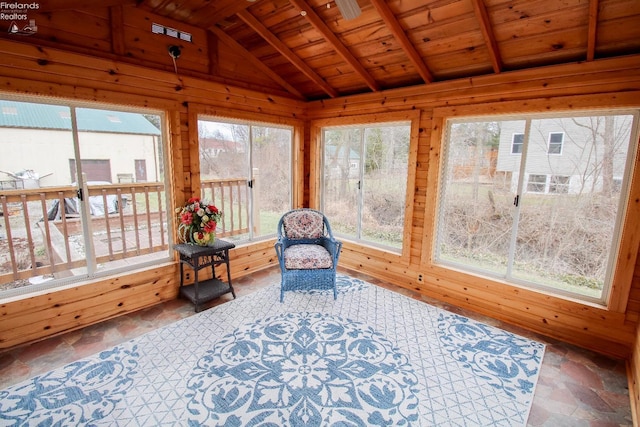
<point>576,387</point>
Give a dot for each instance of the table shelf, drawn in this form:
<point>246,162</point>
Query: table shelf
<point>197,258</point>
<point>208,290</point>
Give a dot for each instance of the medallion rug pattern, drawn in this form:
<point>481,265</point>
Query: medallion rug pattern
<point>370,358</point>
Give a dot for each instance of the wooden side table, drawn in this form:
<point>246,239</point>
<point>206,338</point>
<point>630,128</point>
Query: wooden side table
<point>199,257</point>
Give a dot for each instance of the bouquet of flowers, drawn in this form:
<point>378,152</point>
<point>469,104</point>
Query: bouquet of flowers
<point>198,221</point>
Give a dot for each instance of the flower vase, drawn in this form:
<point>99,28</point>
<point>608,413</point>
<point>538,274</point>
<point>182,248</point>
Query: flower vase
<point>202,238</point>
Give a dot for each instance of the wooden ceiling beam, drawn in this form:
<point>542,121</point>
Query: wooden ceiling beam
<point>593,30</point>
<point>264,32</point>
<point>229,41</point>
<point>398,32</point>
<point>116,20</point>
<point>490,40</point>
<point>337,45</point>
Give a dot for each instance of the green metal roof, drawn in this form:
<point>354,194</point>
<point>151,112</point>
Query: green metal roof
<point>44,116</point>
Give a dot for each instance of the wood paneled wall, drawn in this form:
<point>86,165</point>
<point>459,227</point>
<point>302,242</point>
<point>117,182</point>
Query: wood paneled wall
<point>46,71</point>
<point>599,84</point>
<point>29,69</point>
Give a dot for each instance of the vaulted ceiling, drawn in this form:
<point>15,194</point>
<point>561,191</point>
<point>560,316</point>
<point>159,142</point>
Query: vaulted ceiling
<point>308,51</point>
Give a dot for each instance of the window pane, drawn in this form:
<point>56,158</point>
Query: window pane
<point>566,242</point>
<point>245,169</point>
<point>127,222</point>
<point>559,184</point>
<point>476,206</point>
<point>516,146</point>
<point>271,176</point>
<point>36,143</point>
<point>224,172</point>
<point>385,184</point>
<point>342,159</point>
<point>537,183</point>
<point>555,143</point>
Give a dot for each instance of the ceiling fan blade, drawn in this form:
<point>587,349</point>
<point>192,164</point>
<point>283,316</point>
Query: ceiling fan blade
<point>349,9</point>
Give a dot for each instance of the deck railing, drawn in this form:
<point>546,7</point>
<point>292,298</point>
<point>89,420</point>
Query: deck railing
<point>41,233</point>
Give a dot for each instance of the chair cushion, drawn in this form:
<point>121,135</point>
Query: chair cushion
<point>307,257</point>
<point>303,224</point>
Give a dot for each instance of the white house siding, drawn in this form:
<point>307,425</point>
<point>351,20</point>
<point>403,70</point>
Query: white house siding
<point>577,159</point>
<point>47,152</point>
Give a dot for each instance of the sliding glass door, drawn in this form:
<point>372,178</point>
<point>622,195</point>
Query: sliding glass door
<point>82,193</point>
<point>365,181</point>
<point>537,200</point>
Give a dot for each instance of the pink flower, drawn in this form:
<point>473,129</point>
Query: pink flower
<point>210,226</point>
<point>186,218</point>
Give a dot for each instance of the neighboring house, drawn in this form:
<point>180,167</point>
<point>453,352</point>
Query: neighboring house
<point>214,146</point>
<point>114,146</point>
<point>562,157</point>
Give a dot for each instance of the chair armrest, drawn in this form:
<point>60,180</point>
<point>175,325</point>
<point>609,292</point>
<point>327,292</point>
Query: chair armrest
<point>333,246</point>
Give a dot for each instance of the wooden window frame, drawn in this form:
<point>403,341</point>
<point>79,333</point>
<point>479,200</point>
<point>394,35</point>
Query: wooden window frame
<point>629,244</point>
<point>315,179</point>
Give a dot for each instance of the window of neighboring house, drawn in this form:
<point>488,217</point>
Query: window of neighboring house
<point>559,184</point>
<point>246,171</point>
<point>516,143</point>
<point>555,143</point>
<point>537,183</point>
<point>82,224</point>
<point>365,170</point>
<point>503,224</point>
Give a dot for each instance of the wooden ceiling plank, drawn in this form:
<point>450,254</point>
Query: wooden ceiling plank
<point>396,29</point>
<point>57,5</point>
<point>487,33</point>
<point>264,32</point>
<point>593,27</point>
<point>229,41</point>
<point>116,17</point>
<point>337,45</point>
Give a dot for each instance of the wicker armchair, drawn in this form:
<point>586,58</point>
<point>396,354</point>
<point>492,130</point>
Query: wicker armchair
<point>307,251</point>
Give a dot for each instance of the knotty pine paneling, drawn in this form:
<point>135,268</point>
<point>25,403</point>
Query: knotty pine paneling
<point>598,84</point>
<point>58,73</point>
<point>29,70</point>
<point>87,29</point>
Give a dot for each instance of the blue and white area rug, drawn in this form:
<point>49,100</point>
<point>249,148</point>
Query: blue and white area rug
<point>370,358</point>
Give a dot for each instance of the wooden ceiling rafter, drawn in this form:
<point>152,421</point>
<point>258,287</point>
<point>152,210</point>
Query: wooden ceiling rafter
<point>593,29</point>
<point>270,38</point>
<point>335,43</point>
<point>398,32</point>
<point>116,20</point>
<point>229,41</point>
<point>489,38</point>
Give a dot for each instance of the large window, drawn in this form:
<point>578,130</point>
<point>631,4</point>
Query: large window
<point>245,169</point>
<point>365,172</point>
<point>73,200</point>
<point>548,218</point>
